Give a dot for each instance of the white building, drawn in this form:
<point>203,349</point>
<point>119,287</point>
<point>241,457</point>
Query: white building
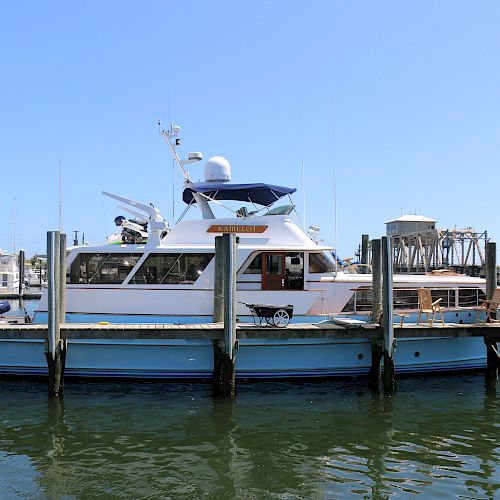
<point>9,273</point>
<point>409,224</point>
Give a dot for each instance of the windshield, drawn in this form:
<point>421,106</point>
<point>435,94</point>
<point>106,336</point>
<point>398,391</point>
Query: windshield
<point>321,262</point>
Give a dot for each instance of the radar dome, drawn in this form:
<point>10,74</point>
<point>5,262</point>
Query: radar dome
<point>217,169</point>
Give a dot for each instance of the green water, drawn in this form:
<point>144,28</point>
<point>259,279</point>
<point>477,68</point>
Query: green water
<point>438,437</point>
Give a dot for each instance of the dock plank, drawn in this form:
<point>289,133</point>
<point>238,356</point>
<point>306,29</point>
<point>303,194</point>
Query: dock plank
<point>249,331</point>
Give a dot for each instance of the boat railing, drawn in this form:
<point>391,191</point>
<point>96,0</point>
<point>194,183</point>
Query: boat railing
<point>407,298</point>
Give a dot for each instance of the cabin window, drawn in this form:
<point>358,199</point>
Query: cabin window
<point>448,297</point>
<point>294,266</point>
<point>101,268</point>
<point>255,266</point>
<point>274,263</point>
<point>171,268</point>
<point>405,298</point>
<point>470,297</point>
<point>362,299</point>
<point>349,307</point>
<point>321,263</point>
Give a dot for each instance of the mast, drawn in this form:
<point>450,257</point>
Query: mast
<point>304,195</point>
<point>61,228</point>
<point>171,137</point>
<point>14,243</point>
<point>334,194</point>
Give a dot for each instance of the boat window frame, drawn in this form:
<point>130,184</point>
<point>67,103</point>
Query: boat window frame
<point>324,257</point>
<point>180,253</point>
<point>351,305</point>
<point>108,255</point>
<point>478,299</point>
<point>244,267</point>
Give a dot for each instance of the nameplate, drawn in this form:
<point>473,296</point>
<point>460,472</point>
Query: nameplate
<point>226,228</point>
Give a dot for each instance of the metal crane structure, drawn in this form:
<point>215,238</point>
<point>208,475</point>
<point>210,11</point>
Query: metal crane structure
<point>458,250</point>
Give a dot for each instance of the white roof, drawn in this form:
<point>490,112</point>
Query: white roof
<point>280,233</point>
<point>411,218</point>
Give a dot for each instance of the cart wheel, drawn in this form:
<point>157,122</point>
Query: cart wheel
<point>281,318</point>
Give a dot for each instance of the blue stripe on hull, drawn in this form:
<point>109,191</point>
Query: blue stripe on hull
<point>240,375</point>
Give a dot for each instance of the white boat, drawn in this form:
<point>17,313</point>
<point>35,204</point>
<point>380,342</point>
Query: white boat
<point>170,278</point>
<point>9,273</point>
<point>169,275</point>
<point>35,277</point>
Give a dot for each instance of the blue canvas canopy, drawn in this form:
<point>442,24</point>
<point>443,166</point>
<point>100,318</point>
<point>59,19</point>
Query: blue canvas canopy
<point>259,194</point>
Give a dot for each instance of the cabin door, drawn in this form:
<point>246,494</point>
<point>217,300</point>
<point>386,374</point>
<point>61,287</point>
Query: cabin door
<point>273,271</point>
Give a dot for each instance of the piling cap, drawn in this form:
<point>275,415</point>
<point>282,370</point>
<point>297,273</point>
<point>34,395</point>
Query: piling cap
<point>411,218</point>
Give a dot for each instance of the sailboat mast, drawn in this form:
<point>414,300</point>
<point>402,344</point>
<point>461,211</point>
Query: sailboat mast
<point>14,229</point>
<point>61,225</point>
<point>304,195</point>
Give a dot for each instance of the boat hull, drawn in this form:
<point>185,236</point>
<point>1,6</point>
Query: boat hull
<point>255,359</point>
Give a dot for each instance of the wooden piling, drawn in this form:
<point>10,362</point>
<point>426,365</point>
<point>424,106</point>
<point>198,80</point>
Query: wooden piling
<point>388,322</point>
<point>365,240</point>
<point>491,269</point>
<point>492,363</point>
<point>22,259</point>
<point>224,351</point>
<point>376,281</point>
<point>230,293</point>
<point>219,282</point>
<point>492,356</point>
<point>376,343</point>
<point>40,277</point>
<point>55,347</point>
<point>62,278</point>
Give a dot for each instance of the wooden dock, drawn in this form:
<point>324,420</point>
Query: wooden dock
<point>24,296</point>
<point>215,331</point>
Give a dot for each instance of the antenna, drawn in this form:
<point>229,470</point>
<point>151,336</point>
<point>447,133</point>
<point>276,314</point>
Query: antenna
<point>303,170</point>
<point>61,228</point>
<point>162,132</point>
<point>334,190</point>
<point>173,134</point>
<point>303,193</point>
<point>173,189</point>
<point>171,137</point>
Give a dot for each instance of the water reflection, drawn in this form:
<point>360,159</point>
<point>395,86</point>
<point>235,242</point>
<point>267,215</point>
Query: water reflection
<point>436,436</point>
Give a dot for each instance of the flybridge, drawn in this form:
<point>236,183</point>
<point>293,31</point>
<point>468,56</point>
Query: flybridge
<point>149,226</point>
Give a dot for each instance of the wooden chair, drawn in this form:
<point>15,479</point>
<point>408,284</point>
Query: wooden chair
<point>491,307</point>
<point>427,307</point>
<point>401,317</point>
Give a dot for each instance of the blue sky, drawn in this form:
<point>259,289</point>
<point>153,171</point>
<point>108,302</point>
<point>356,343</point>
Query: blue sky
<point>412,87</point>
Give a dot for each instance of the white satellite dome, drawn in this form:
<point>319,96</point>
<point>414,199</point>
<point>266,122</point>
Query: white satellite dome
<point>217,169</point>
